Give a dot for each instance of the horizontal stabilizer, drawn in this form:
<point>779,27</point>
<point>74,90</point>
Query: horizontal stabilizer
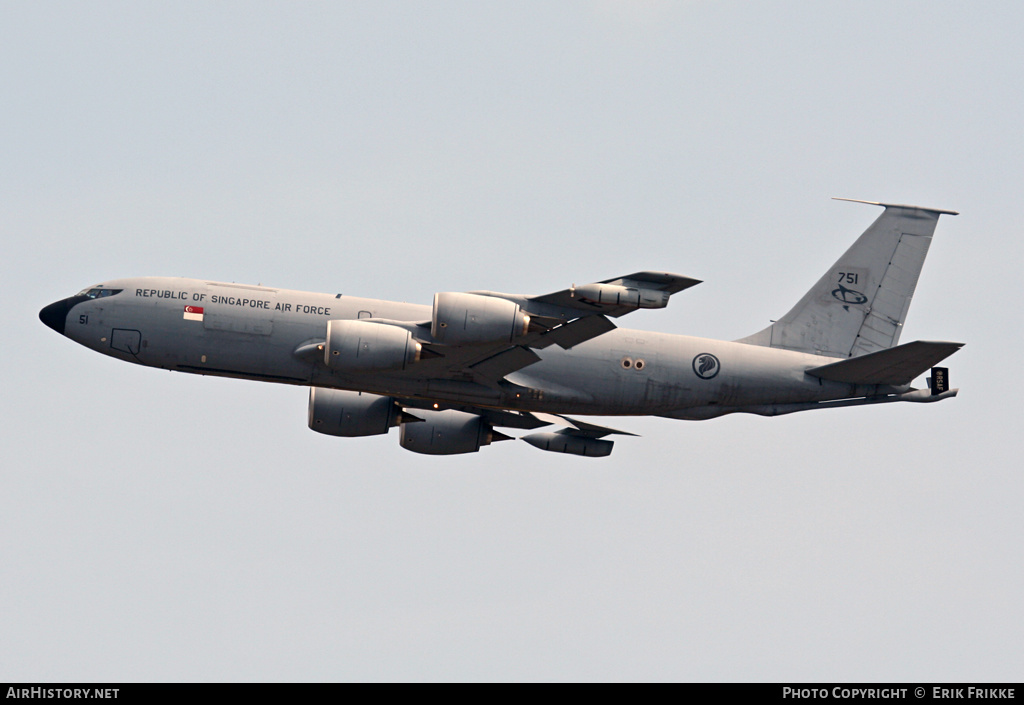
<point>896,366</point>
<point>940,211</point>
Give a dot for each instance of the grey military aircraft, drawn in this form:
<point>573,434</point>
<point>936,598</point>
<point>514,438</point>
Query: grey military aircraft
<point>449,373</point>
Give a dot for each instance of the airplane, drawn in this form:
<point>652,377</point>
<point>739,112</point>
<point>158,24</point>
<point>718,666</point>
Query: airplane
<point>449,374</point>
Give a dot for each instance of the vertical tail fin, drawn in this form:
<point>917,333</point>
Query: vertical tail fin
<point>860,304</point>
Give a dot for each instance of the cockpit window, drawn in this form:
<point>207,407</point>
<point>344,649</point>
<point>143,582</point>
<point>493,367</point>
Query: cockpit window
<point>99,292</point>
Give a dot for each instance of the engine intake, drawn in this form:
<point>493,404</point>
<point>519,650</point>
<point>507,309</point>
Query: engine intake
<point>462,319</point>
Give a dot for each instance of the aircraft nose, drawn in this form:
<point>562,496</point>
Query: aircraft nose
<point>56,314</point>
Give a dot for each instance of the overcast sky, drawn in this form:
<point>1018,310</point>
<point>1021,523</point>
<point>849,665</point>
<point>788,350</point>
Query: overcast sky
<point>159,526</point>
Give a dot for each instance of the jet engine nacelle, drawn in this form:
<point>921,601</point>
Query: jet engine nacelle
<point>574,445</point>
<point>447,433</point>
<point>462,319</point>
<point>363,346</point>
<point>615,295</point>
<point>337,412</point>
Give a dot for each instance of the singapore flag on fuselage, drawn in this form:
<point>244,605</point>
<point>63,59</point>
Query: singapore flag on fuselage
<point>193,313</point>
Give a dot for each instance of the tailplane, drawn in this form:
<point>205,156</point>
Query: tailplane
<point>896,366</point>
<point>859,306</point>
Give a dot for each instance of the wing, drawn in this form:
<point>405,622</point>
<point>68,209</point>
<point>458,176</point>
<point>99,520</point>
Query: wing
<point>487,364</point>
<point>618,296</point>
<point>565,318</point>
<point>475,370</point>
<point>474,339</point>
<point>574,436</point>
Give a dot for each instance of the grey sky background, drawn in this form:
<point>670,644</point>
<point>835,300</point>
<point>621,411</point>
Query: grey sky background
<point>158,526</point>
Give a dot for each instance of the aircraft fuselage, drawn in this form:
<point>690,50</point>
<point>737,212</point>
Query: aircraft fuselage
<point>268,334</point>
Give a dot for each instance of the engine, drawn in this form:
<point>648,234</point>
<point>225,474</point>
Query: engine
<point>360,346</point>
<point>462,319</point>
<point>448,433</point>
<point>336,412</point>
<point>615,295</point>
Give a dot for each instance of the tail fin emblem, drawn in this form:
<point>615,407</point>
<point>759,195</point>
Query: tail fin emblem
<point>848,296</point>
